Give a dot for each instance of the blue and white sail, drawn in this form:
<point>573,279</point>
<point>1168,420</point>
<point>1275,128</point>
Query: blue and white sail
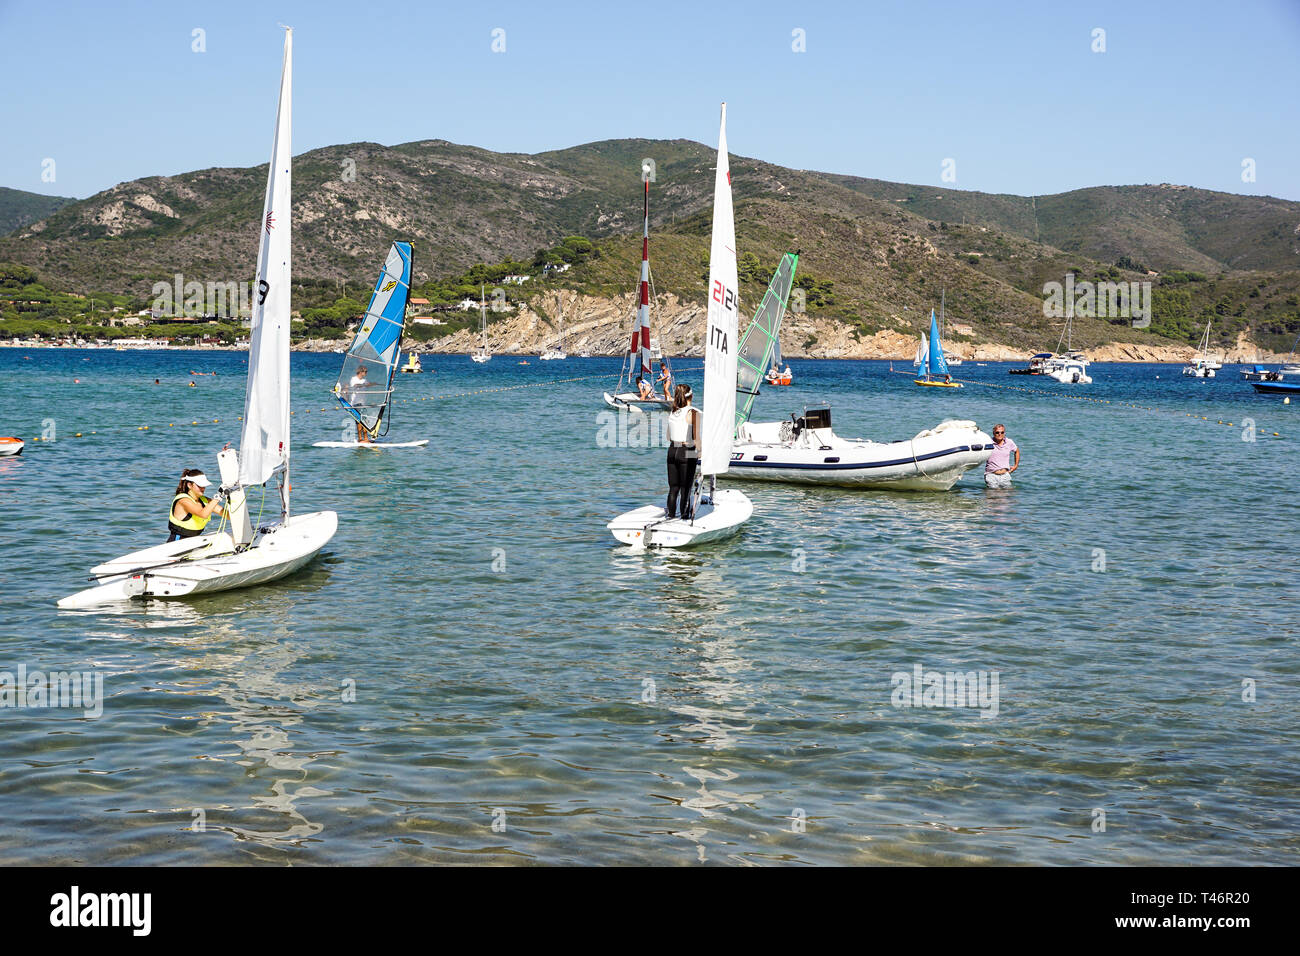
<point>935,363</point>
<point>365,383</point>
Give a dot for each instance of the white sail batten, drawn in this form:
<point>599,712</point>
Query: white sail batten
<point>724,313</point>
<point>264,444</point>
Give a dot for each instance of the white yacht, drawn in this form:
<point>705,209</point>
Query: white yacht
<point>1068,367</point>
<point>1203,366</point>
<point>481,354</point>
<point>556,352</point>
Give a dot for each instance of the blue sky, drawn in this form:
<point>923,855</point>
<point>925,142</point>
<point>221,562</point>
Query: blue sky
<point>1013,92</point>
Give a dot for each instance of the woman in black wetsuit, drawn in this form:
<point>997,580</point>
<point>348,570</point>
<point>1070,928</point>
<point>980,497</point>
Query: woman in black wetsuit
<point>683,453</point>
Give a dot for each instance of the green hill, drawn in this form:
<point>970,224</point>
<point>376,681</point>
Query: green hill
<point>20,208</point>
<point>876,254</point>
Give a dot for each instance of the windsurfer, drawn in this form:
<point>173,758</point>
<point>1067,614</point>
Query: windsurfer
<point>357,386</point>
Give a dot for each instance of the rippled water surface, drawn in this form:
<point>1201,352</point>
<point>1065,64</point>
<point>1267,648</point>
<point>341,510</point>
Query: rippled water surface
<point>513,665</point>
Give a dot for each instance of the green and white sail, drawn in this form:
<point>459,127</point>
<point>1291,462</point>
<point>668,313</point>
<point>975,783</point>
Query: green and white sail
<point>761,345</point>
<point>365,383</point>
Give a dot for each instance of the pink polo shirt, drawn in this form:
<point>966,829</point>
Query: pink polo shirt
<point>1001,457</point>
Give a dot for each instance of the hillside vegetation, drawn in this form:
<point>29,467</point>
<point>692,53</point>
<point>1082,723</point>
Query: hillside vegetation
<point>876,255</point>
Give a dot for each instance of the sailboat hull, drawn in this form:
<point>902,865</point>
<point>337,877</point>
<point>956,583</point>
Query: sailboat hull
<point>207,563</point>
<point>630,400</point>
<point>714,520</point>
<point>370,444</point>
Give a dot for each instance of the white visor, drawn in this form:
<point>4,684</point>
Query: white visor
<point>200,479</point>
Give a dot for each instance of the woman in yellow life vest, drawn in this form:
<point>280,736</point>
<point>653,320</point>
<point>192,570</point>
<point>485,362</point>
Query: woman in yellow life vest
<point>190,508</point>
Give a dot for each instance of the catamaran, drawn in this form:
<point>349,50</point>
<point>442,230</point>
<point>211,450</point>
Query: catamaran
<point>637,364</point>
<point>482,353</point>
<point>804,449</point>
<point>932,360</point>
<point>716,514</point>
<point>1203,366</point>
<point>365,385</point>
<point>244,555</point>
<point>1068,367</point>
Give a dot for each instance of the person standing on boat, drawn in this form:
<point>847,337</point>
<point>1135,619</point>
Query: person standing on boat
<point>998,469</point>
<point>683,453</point>
<point>666,380</point>
<point>191,509</point>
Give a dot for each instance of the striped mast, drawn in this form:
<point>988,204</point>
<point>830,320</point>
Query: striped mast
<point>641,331</point>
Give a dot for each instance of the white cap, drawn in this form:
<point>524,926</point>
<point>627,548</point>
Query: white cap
<point>200,479</point>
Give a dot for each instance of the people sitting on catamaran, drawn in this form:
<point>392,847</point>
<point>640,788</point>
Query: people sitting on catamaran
<point>683,454</point>
<point>998,469</point>
<point>666,380</point>
<point>191,509</point>
<point>356,397</point>
<point>644,389</point>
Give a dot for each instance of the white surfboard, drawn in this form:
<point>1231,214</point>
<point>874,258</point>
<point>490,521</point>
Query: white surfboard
<point>370,444</point>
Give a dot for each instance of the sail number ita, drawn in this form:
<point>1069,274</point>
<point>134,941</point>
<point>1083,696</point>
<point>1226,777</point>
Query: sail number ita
<point>718,332</point>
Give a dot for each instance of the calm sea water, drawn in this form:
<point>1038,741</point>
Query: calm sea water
<point>514,666</point>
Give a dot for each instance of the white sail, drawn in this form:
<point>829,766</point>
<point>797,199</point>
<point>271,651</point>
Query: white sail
<point>264,445</point>
<point>922,351</point>
<point>724,310</point>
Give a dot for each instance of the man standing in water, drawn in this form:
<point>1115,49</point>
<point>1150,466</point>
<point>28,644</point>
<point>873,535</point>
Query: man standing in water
<point>998,469</point>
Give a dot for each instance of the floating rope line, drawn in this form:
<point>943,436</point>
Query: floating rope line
<point>1096,401</point>
<point>328,408</point>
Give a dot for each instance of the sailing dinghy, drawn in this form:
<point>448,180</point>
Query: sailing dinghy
<point>804,449</point>
<point>932,360</point>
<point>365,385</point>
<point>717,514</point>
<point>639,356</point>
<point>240,555</point>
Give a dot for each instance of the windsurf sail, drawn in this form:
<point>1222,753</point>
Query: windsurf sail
<point>365,382</point>
<point>264,441</point>
<point>720,346</point>
<point>936,364</point>
<point>761,345</point>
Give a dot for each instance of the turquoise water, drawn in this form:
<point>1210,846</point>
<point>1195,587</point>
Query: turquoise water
<point>511,663</point>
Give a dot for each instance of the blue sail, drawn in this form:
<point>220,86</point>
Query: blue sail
<point>365,382</point>
<point>936,364</point>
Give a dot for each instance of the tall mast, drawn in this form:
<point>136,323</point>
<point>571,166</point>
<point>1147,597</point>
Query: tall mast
<point>641,334</point>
